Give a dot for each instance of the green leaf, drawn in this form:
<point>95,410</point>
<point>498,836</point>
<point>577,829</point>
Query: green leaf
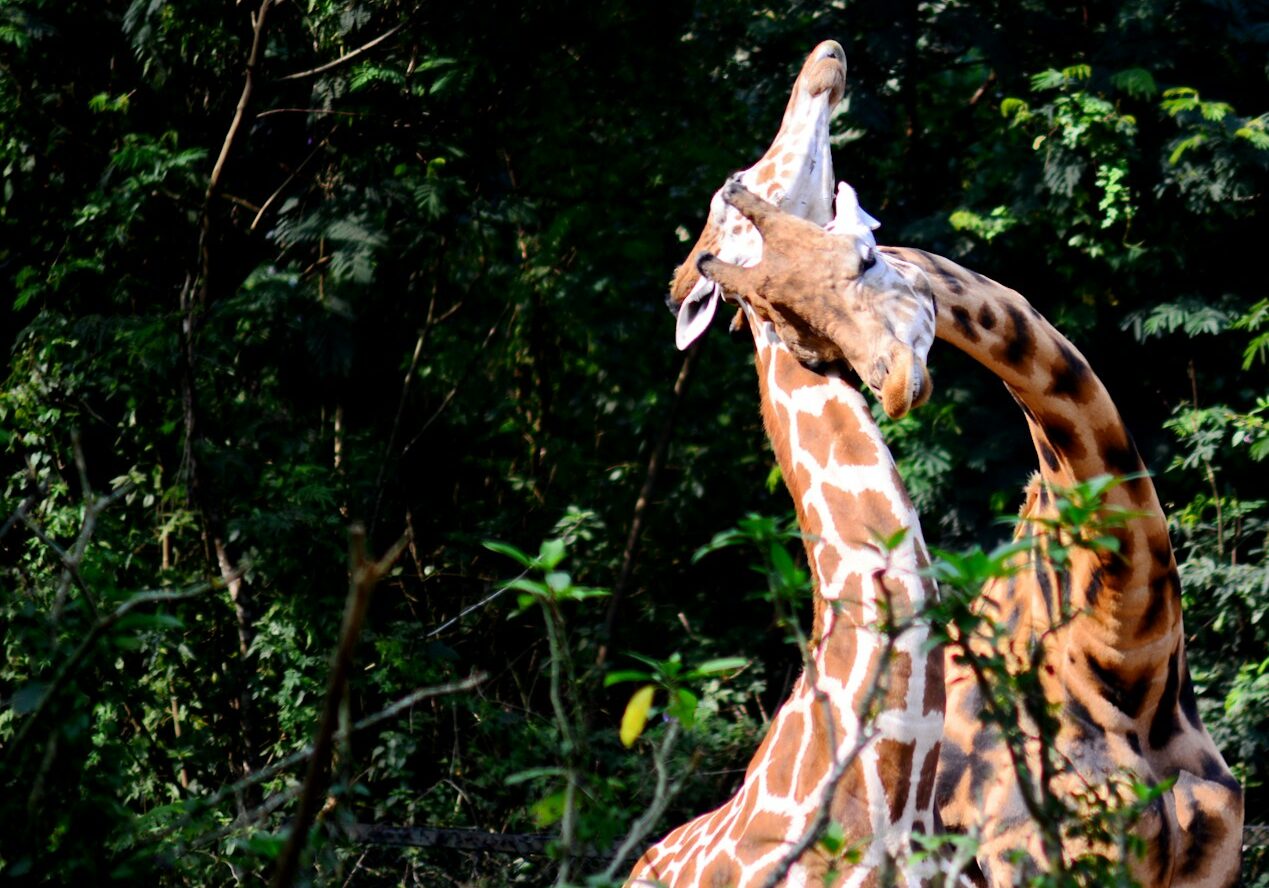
<point>1136,82</point>
<point>533,774</point>
<point>1012,107</point>
<point>720,664</point>
<point>548,810</point>
<point>833,838</point>
<point>551,553</point>
<point>682,706</point>
<point>508,550</point>
<point>623,675</point>
<point>533,587</point>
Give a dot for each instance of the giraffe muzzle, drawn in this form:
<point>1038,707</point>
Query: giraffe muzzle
<point>905,382</point>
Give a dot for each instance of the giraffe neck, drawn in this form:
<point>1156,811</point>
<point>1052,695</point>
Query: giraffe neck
<point>848,495</point>
<point>1132,596</point>
<point>844,485</point>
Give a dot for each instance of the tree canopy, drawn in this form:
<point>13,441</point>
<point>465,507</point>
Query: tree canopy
<point>273,268</point>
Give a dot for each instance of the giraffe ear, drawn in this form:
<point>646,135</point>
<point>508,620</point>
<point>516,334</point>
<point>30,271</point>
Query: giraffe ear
<point>696,312</point>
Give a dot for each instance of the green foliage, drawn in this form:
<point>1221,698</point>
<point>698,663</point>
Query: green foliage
<point>425,293</point>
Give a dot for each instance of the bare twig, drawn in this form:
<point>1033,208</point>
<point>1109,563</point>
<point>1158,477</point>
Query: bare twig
<point>248,86</point>
<point>479,604</point>
<point>346,57</point>
<point>364,575</point>
<point>661,797</point>
<point>287,181</point>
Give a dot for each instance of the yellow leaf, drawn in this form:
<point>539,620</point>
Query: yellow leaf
<point>636,715</point>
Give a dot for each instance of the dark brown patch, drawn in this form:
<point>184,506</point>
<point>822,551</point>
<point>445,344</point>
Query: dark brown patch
<point>960,316</point>
<point>1093,589</point>
<point>1215,772</point>
<point>947,274</point>
<point>1134,742</point>
<point>1118,566</point>
<point>1189,703</point>
<point>1162,552</point>
<point>1203,833</point>
<point>1071,376</point>
<point>1119,455</point>
<point>926,780</point>
<point>951,766</point>
<point>935,696</point>
<point>1165,725</point>
<point>1124,693</point>
<point>1083,718</point>
<point>1160,593</point>
<point>894,762</point>
<point>981,768</point>
<point>986,317</point>
<point>1061,435</point>
<point>898,676</point>
<point>1049,456</point>
<point>1026,410</point>
<point>1163,849</point>
<point>1019,342</point>
<point>1045,583</point>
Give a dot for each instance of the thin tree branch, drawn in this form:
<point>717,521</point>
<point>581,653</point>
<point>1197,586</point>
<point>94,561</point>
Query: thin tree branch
<point>364,575</point>
<point>248,86</point>
<point>661,797</point>
<point>285,182</point>
<point>346,57</point>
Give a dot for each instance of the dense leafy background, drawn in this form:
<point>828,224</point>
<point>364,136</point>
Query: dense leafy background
<point>426,293</point>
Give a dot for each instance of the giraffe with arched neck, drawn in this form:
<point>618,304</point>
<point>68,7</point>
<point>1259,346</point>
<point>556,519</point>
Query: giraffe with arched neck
<point>860,730</point>
<point>847,493</point>
<point>1115,668</point>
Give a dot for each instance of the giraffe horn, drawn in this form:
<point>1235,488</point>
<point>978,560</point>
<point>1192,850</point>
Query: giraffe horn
<point>695,313</point>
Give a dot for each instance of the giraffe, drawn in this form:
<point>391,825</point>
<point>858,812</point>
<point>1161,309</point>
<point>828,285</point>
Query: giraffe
<point>1116,668</point>
<point>876,776</point>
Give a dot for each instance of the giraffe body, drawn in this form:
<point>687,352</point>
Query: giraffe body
<point>847,494</point>
<point>1116,669</point>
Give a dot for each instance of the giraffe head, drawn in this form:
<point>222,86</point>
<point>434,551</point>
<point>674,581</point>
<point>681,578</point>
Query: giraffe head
<point>796,173</point>
<point>831,296</point>
<point>893,332</point>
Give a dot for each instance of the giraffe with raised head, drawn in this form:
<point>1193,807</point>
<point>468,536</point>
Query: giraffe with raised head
<point>1115,667</point>
<point>860,731</point>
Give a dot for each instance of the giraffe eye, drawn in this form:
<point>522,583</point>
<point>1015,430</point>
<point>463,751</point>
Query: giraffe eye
<point>867,259</point>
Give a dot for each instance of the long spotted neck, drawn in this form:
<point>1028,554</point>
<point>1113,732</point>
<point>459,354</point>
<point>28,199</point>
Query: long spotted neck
<point>846,492</point>
<point>1133,596</point>
<point>848,495</point>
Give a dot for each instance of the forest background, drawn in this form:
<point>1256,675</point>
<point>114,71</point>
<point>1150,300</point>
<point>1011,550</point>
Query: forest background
<point>267,269</point>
